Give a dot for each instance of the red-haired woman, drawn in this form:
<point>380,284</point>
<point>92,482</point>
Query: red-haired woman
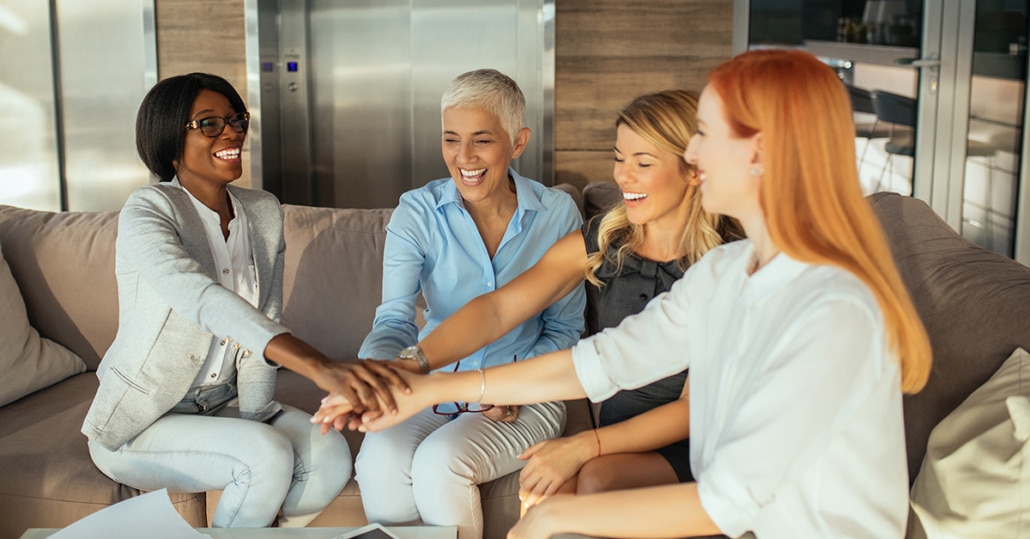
<point>800,340</point>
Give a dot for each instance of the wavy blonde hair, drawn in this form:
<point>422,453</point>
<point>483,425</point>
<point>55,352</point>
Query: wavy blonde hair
<point>668,120</point>
<point>811,198</point>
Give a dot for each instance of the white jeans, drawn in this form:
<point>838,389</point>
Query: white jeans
<point>430,466</point>
<point>260,467</point>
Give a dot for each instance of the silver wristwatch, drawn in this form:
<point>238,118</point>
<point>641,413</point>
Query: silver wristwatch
<point>414,352</point>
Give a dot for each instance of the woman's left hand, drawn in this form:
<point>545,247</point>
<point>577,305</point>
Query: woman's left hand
<point>504,414</point>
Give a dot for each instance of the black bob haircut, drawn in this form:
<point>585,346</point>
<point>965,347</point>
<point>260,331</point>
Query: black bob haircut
<point>164,113</point>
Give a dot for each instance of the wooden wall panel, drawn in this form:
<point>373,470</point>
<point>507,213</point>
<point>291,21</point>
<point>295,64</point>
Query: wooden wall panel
<point>580,167</point>
<point>609,51</point>
<point>202,35</point>
<point>207,36</point>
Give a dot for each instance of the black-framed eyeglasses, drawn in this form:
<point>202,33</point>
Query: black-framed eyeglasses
<point>455,408</point>
<point>212,126</point>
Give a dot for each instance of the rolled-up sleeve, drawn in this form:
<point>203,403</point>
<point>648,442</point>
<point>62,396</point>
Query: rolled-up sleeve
<point>645,347</point>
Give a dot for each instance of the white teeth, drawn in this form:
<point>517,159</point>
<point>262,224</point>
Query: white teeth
<point>472,173</point>
<point>634,196</point>
<point>228,153</point>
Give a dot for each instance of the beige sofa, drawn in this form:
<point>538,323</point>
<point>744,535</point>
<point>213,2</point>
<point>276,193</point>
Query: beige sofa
<point>975,306</point>
<point>63,264</point>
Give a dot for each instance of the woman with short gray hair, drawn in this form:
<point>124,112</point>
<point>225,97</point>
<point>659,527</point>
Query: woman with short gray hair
<point>452,240</point>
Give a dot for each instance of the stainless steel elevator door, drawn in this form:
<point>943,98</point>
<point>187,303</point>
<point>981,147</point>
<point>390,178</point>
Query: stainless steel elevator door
<point>370,77</point>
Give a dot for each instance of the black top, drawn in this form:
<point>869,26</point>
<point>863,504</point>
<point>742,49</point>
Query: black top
<point>625,293</point>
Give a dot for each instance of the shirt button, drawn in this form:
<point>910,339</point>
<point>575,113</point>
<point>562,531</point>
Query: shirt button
<point>213,375</point>
<point>643,296</point>
<point>490,283</point>
<point>225,271</point>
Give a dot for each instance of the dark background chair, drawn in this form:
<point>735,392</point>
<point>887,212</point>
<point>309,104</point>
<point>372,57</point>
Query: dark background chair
<point>900,111</point>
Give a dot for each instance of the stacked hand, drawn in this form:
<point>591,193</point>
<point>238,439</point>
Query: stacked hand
<point>338,411</point>
<point>368,387</point>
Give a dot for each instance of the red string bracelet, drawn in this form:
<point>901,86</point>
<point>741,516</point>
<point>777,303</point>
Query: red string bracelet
<point>598,438</point>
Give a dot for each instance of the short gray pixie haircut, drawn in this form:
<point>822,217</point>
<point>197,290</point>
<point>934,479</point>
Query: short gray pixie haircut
<point>492,90</point>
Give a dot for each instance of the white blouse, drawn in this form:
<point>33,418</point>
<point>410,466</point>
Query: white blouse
<point>795,397</point>
<point>236,271</point>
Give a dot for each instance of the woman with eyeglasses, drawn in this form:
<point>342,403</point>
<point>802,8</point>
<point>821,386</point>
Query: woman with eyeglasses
<point>800,339</point>
<point>452,240</point>
<point>186,389</point>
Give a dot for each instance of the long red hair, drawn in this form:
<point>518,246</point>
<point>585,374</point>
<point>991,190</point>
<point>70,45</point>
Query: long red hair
<point>813,204</point>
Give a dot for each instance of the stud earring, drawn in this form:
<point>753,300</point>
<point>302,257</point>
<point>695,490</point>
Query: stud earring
<point>755,171</point>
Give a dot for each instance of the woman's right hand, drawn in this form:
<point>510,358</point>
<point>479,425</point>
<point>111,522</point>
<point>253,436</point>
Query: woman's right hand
<point>552,463</point>
<point>368,386</point>
<point>365,384</point>
<point>337,412</point>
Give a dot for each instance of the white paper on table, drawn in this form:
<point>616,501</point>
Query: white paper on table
<point>151,515</point>
<point>372,531</point>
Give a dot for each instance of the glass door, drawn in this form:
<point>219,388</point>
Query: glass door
<point>984,166</point>
<point>938,91</point>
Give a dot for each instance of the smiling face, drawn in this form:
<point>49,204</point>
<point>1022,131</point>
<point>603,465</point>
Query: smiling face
<point>724,161</point>
<point>477,151</point>
<point>653,181</point>
<point>206,159</point>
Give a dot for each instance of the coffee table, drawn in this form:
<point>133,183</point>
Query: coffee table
<point>403,532</point>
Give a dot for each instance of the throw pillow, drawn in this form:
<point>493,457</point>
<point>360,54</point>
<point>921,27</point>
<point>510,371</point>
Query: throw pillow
<point>975,480</point>
<point>28,362</point>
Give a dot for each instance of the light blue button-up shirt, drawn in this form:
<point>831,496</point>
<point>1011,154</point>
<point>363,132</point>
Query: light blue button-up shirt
<point>434,247</point>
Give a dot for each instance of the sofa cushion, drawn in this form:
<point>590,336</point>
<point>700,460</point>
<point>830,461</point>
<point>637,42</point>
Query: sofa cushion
<point>47,479</point>
<point>599,197</point>
<point>64,265</point>
<point>973,303</point>
<point>28,361</point>
<point>333,279</point>
<point>975,480</point>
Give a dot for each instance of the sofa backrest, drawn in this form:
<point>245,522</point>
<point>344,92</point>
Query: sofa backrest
<point>599,197</point>
<point>974,304</point>
<point>333,279</point>
<point>64,266</point>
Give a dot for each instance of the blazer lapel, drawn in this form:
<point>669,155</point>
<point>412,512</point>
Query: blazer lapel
<point>259,230</point>
<point>194,238</point>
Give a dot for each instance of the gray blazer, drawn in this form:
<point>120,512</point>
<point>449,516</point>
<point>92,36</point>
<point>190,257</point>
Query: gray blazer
<point>171,305</point>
